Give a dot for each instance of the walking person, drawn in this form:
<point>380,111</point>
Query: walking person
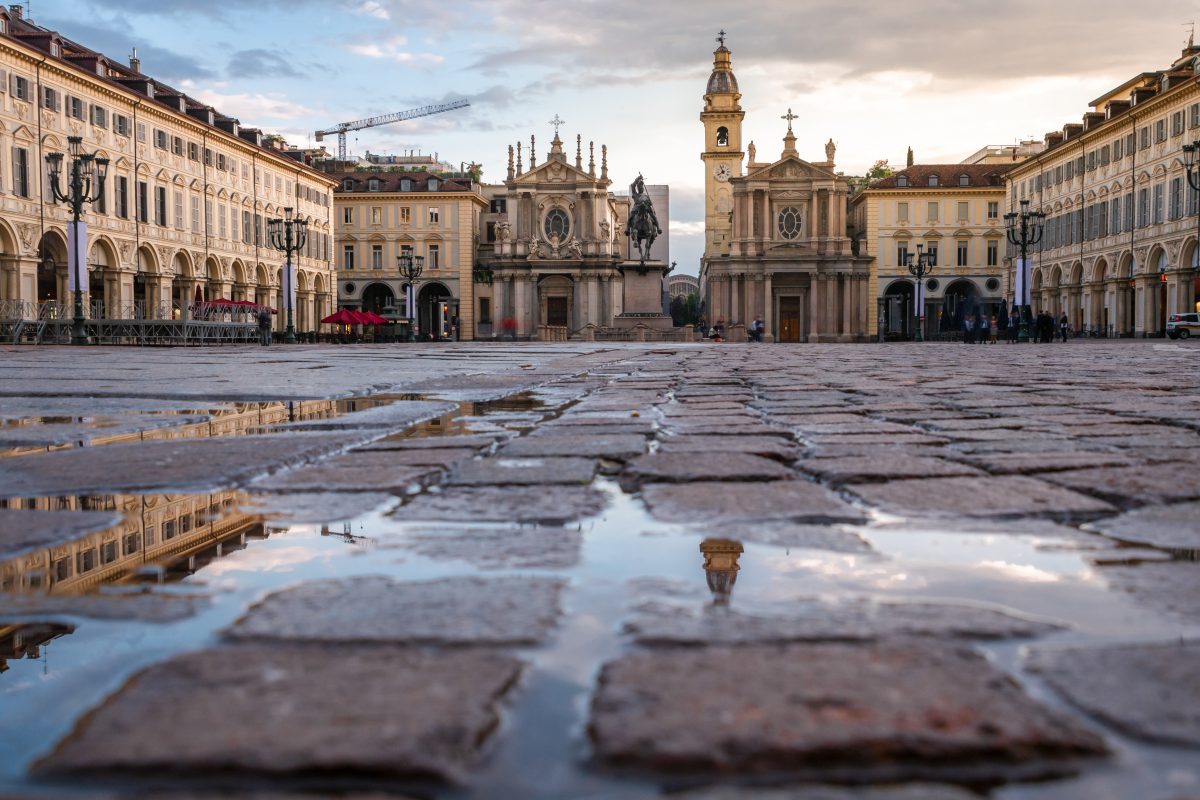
<point>756,330</point>
<point>264,327</point>
<point>968,330</point>
<point>1014,327</point>
<point>994,330</point>
<point>1064,327</point>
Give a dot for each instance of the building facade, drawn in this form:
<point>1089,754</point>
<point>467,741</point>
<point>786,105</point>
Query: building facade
<point>775,233</point>
<point>953,210</point>
<point>1119,254</point>
<point>183,213</point>
<point>384,213</point>
<point>682,286</point>
<point>553,245</point>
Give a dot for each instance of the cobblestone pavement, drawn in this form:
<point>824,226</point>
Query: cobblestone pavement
<point>619,572</point>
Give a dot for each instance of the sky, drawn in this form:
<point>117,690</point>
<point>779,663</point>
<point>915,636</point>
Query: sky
<point>876,76</point>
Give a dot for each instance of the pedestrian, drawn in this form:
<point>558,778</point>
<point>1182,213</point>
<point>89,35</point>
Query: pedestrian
<point>264,327</point>
<point>1064,326</point>
<point>756,330</point>
<point>1014,327</point>
<point>994,330</point>
<point>981,329</point>
<point>968,329</point>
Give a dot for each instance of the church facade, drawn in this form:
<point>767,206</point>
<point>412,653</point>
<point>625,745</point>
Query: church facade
<point>552,258</point>
<point>776,241</point>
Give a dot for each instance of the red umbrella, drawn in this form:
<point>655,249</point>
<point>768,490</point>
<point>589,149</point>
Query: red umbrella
<point>222,302</point>
<point>341,317</point>
<point>375,319</point>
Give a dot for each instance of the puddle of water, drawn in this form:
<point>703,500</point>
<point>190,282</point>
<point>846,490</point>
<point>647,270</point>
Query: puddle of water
<point>58,671</point>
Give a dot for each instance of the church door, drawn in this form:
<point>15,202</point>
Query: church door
<point>556,311</point>
<point>789,319</point>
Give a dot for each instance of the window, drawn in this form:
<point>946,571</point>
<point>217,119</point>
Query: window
<point>994,210</point>
<point>99,117</point>
<point>1143,208</point>
<point>1177,123</point>
<point>964,180</point>
<point>169,529</point>
<point>433,260</point>
<point>121,196</point>
<point>49,98</point>
<point>901,254</point>
<point>933,180</point>
<point>961,253</point>
<point>86,561</point>
<point>1058,175</point>
<point>557,224</point>
<point>499,205</point>
<point>433,216</point>
<point>1115,220</point>
<point>963,214</point>
<point>406,184</point>
<point>722,136</point>
<point>62,569</point>
<point>208,216</point>
<point>902,181</point>
<point>931,247</point>
<point>76,108</point>
<point>1128,211</point>
<point>108,552</point>
<point>221,227</point>
<point>1158,204</point>
<point>178,208</point>
<point>160,139</point>
<point>208,157</point>
<point>1144,137</point>
<point>1091,161</point>
<point>160,206</point>
<point>348,257</point>
<point>193,151</point>
<point>221,162</point>
<point>1176,202</point>
<point>20,172</point>
<point>931,211</point>
<point>485,311</point>
<point>348,185</point>
<point>1069,171</point>
<point>1116,150</point>
<point>131,543</point>
<point>902,212</point>
<point>993,252</point>
<point>1160,131</point>
<point>185,523</point>
<point>376,215</point>
<point>246,227</point>
<point>1104,156</point>
<point>347,216</point>
<point>149,535</point>
<point>376,256</point>
<point>121,124</point>
<point>1191,200</point>
<point>20,88</point>
<point>433,184</point>
<point>177,145</point>
<point>233,224</point>
<point>373,184</point>
<point>195,214</point>
<point>790,222</point>
<point>405,215</point>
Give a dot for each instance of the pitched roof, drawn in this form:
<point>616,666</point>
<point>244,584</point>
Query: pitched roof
<point>978,175</point>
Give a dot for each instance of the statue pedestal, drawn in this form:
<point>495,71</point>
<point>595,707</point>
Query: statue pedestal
<point>643,296</point>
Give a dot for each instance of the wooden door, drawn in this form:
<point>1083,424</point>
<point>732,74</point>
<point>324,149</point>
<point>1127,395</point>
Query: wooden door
<point>556,311</point>
<point>789,319</point>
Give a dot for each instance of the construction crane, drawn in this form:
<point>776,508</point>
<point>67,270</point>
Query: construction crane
<point>424,111</point>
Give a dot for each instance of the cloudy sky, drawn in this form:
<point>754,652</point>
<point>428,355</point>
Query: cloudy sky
<point>943,77</point>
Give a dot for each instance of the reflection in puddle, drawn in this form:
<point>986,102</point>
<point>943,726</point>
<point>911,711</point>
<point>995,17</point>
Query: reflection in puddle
<point>27,641</point>
<point>721,567</point>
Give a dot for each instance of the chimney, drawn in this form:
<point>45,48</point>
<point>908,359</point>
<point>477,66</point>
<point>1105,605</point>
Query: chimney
<point>16,11</point>
<point>135,63</point>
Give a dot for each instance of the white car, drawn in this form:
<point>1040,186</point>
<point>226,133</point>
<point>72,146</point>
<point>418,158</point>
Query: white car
<point>1181,326</point>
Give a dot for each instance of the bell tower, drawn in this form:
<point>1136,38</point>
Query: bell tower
<point>722,155</point>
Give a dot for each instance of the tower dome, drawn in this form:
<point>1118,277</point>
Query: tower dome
<point>722,80</point>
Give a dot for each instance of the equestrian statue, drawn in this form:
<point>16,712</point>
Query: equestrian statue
<point>643,226</point>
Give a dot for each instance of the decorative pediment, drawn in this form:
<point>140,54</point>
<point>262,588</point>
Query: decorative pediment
<point>555,171</point>
<point>790,168</point>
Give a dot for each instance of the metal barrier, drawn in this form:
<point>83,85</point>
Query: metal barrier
<point>22,322</point>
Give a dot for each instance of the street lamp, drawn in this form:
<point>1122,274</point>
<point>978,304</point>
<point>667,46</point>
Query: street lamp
<point>287,235</point>
<point>1193,178</point>
<point>85,185</point>
<point>410,267</point>
<point>1024,230</point>
<point>920,268</point>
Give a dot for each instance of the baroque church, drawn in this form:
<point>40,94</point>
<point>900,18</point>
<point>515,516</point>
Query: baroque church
<point>560,246</point>
<point>776,243</point>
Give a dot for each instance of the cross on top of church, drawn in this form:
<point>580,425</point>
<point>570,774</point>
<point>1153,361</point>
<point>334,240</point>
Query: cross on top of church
<point>789,117</point>
<point>721,37</point>
<point>556,122</point>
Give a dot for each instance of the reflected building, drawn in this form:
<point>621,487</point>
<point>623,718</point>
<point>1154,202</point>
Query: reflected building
<point>158,538</point>
<point>721,567</point>
<point>27,641</point>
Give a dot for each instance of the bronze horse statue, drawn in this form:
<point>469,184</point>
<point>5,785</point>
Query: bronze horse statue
<point>643,227</point>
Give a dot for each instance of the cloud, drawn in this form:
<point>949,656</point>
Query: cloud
<point>258,63</point>
<point>372,8</point>
<point>391,50</point>
<point>249,107</point>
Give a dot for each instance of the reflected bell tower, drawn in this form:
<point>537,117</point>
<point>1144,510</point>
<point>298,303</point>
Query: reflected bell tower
<point>721,567</point>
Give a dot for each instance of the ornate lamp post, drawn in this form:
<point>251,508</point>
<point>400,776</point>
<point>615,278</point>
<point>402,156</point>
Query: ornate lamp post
<point>1193,178</point>
<point>287,235</point>
<point>85,184</point>
<point>1024,230</point>
<point>410,267</point>
<point>919,269</point>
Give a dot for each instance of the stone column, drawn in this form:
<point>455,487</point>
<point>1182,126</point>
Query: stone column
<point>734,300</point>
<point>535,311</point>
<point>814,294</point>
<point>847,329</point>
<point>519,312</point>
<point>768,310</point>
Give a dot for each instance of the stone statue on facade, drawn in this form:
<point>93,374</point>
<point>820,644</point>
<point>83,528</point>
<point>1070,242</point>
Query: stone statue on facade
<point>753,151</point>
<point>830,149</point>
<point>643,227</point>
